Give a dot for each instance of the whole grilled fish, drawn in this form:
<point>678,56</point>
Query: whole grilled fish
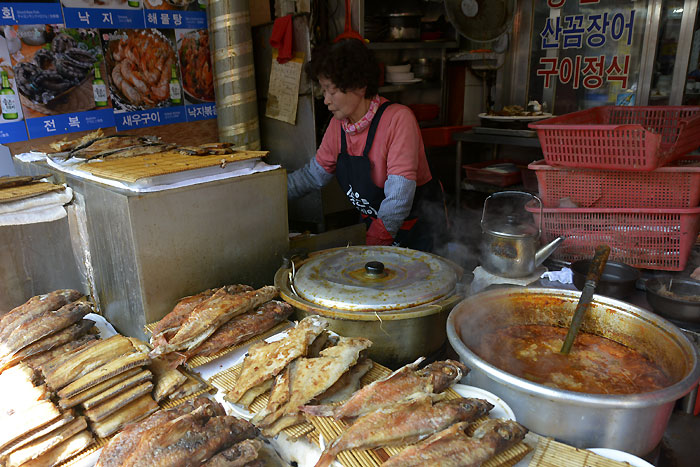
<point>41,326</point>
<point>188,440</point>
<point>240,454</point>
<point>243,327</point>
<point>121,446</point>
<point>453,448</point>
<point>209,315</point>
<point>35,306</point>
<point>168,326</point>
<point>398,386</point>
<point>96,147</point>
<point>265,360</point>
<point>404,423</point>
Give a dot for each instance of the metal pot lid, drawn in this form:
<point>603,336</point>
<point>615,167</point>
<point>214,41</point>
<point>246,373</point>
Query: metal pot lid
<point>374,278</point>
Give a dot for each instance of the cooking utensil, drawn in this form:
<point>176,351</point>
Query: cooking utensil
<point>404,26</point>
<point>594,271</point>
<point>396,297</point>
<point>634,423</point>
<point>349,32</point>
<point>618,279</point>
<point>674,297</point>
<point>509,236</point>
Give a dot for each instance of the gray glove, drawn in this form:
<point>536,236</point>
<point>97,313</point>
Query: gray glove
<point>310,177</point>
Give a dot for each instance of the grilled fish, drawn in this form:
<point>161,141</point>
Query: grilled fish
<point>121,446</point>
<point>35,306</point>
<point>34,435</point>
<point>209,315</point>
<point>166,379</point>
<point>404,423</point>
<point>237,455</point>
<point>453,448</point>
<point>63,451</point>
<point>49,342</point>
<point>243,327</point>
<point>66,145</point>
<point>398,386</point>
<point>191,386</point>
<point>45,443</point>
<point>42,360</point>
<point>141,377</point>
<point>94,356</point>
<point>140,408</point>
<point>110,406</point>
<point>266,360</point>
<point>188,440</point>
<point>102,373</point>
<point>103,387</point>
<point>94,148</point>
<point>170,323</point>
<point>17,424</point>
<point>347,384</point>
<point>304,379</point>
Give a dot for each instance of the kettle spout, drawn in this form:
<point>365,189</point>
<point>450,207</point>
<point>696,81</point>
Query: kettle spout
<point>544,252</point>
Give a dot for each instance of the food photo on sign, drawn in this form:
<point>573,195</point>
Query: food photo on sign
<point>189,5</point>
<point>195,65</point>
<point>11,110</point>
<point>142,68</point>
<point>58,70</point>
<point>111,4</point>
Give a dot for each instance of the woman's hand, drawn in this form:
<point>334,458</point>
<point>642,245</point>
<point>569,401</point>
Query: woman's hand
<point>378,235</point>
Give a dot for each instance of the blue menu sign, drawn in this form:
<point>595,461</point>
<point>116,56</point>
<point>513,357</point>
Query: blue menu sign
<point>30,13</point>
<point>11,132</point>
<point>176,19</point>
<point>149,117</point>
<point>71,122</point>
<point>103,18</point>
<point>204,111</point>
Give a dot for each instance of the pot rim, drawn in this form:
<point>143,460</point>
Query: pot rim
<point>621,401</point>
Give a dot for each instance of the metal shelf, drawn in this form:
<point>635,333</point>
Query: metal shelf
<point>412,45</point>
<point>407,86</point>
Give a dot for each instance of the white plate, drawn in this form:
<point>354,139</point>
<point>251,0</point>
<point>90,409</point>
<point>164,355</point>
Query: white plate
<point>408,81</point>
<point>621,456</point>
<point>509,118</point>
<point>500,409</point>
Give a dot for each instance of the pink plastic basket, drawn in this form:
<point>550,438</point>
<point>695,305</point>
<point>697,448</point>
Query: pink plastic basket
<point>674,186</point>
<point>619,137</point>
<point>643,238</point>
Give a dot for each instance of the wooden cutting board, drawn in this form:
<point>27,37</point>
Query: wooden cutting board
<point>131,169</point>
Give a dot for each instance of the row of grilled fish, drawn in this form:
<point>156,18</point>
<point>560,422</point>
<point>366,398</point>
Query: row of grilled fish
<point>216,319</point>
<point>196,432</point>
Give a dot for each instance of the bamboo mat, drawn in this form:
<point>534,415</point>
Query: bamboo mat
<point>30,190</point>
<point>321,430</point>
<point>550,453</point>
<point>131,169</point>
<point>199,360</point>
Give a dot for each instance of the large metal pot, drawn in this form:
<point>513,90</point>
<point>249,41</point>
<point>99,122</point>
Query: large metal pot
<point>633,423</point>
<point>396,297</point>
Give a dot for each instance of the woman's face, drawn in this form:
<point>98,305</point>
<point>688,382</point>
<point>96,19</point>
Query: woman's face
<point>343,104</point>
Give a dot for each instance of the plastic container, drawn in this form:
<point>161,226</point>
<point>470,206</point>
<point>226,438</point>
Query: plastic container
<point>442,135</point>
<point>499,172</point>
<point>424,112</point>
<point>620,137</point>
<point>675,186</point>
<point>643,238</point>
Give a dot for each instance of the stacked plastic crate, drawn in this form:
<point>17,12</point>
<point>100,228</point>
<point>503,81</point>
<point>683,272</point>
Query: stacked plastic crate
<point>622,176</point>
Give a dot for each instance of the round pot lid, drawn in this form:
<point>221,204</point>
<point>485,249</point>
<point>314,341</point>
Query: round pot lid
<point>374,278</point>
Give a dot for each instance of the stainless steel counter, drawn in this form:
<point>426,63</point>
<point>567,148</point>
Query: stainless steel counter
<point>142,252</point>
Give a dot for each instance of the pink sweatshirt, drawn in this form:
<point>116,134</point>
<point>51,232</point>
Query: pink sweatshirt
<point>397,148</point>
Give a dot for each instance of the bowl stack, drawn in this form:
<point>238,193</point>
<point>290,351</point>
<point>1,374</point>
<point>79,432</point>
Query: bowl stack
<point>400,74</point>
<point>621,176</point>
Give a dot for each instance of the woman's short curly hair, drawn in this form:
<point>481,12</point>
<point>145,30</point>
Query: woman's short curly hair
<point>348,64</point>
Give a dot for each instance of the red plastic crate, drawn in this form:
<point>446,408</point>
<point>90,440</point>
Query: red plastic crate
<point>644,238</point>
<point>620,137</point>
<point>674,186</point>
<point>442,135</point>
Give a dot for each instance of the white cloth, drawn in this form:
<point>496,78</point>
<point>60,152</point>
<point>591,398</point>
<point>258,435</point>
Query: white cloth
<point>565,276</point>
<point>42,208</point>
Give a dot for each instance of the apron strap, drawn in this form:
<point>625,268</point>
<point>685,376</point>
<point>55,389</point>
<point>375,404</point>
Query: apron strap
<point>373,128</point>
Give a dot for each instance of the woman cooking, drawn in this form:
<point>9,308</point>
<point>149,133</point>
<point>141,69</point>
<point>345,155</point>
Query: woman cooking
<point>375,150</point>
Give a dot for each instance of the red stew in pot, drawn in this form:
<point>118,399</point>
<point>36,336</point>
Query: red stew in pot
<point>596,365</point>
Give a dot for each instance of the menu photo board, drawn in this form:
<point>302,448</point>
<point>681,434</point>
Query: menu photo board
<point>196,73</point>
<point>103,13</point>
<point>59,76</point>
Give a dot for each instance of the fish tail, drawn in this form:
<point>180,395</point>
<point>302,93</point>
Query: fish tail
<point>326,458</point>
<point>319,410</point>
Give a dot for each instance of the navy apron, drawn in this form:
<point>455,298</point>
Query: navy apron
<point>354,174</point>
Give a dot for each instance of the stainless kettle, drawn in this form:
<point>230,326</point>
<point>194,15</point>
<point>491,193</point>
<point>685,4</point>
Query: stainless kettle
<point>510,235</point>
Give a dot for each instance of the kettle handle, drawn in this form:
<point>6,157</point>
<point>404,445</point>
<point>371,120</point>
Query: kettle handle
<point>524,193</point>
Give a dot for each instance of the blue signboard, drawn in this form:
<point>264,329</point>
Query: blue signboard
<point>103,18</point>
<point>204,111</point>
<point>149,117</point>
<point>176,19</point>
<point>71,122</point>
<point>30,13</point>
<point>11,132</point>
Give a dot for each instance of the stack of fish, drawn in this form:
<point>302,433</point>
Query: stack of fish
<point>408,406</point>
<point>196,432</point>
<point>307,364</point>
<point>33,431</point>
<point>216,319</point>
